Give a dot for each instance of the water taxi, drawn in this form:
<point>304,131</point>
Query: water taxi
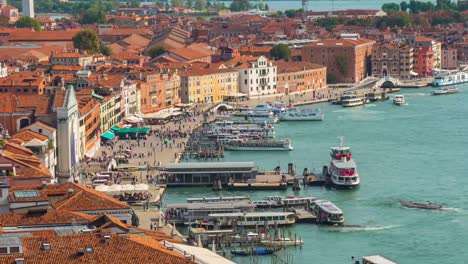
<point>399,99</point>
<point>327,213</point>
<point>220,199</point>
<point>249,219</point>
<point>250,145</point>
<point>444,91</point>
<point>427,206</point>
<point>297,114</point>
<point>449,78</point>
<point>353,102</point>
<point>343,170</point>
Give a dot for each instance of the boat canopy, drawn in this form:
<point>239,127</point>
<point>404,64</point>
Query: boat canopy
<point>328,207</point>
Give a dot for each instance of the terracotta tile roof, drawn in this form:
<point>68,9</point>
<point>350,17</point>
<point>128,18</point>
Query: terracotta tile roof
<point>188,53</point>
<point>27,165</point>
<point>66,67</point>
<point>118,250</point>
<point>43,125</point>
<point>51,217</point>
<point>43,36</point>
<point>87,199</point>
<point>69,55</point>
<point>28,135</point>
<point>339,42</point>
<point>40,103</point>
<point>59,99</point>
<point>127,32</point>
<point>22,79</point>
<point>8,103</point>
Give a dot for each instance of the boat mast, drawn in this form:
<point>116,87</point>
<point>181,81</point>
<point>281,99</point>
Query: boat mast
<point>341,141</point>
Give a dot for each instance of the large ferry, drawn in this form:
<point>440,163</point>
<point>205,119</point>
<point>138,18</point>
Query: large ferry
<point>342,170</point>
<point>297,114</point>
<point>450,78</point>
<point>283,145</point>
<point>446,90</point>
<point>255,117</point>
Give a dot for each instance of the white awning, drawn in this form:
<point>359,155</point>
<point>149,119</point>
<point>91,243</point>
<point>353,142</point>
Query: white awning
<point>413,73</point>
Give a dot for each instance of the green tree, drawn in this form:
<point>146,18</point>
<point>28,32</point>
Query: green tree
<point>86,40</point>
<point>200,5</point>
<point>267,7</point>
<point>280,51</point>
<point>328,23</point>
<point>290,13</point>
<point>156,51</point>
<point>189,3</point>
<point>27,22</point>
<point>93,15</point>
<point>404,6</point>
<point>390,8</point>
<point>239,5</point>
<point>105,50</point>
<point>342,64</point>
<point>177,3</point>
<point>331,78</point>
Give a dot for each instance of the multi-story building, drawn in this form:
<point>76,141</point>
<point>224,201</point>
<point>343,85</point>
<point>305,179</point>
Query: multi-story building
<point>423,60</point>
<point>386,60</point>
<point>407,62</point>
<point>208,85</point>
<point>449,58</point>
<point>300,76</point>
<point>23,83</point>
<point>71,58</point>
<point>346,60</point>
<point>172,88</point>
<point>152,92</point>
<point>462,52</point>
<point>257,76</point>
<point>89,122</point>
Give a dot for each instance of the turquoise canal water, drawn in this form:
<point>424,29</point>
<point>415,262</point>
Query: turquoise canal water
<point>415,152</point>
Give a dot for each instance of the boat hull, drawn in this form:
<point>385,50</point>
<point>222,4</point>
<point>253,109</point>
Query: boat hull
<point>282,243</point>
<point>240,148</point>
<point>307,118</point>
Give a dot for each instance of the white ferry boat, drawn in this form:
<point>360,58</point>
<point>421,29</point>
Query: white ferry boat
<point>229,128</point>
<point>351,102</point>
<point>253,218</point>
<point>399,99</point>
<point>274,145</point>
<point>449,78</point>
<point>220,199</point>
<point>342,170</point>
<point>327,213</point>
<point>254,117</point>
<point>444,91</point>
<point>283,201</point>
<point>297,114</point>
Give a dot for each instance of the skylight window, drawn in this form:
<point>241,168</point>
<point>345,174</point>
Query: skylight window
<point>26,194</point>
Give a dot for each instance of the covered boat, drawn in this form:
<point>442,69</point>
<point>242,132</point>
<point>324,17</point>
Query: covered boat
<point>428,205</point>
<point>254,251</point>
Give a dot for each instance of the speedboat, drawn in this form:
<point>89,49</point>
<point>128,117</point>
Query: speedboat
<point>297,114</point>
<point>427,206</point>
<point>343,170</point>
<point>399,99</point>
<point>443,91</point>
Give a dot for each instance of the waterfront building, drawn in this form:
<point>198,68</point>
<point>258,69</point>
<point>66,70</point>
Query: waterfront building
<point>89,122</point>
<point>205,173</point>
<point>257,76</point>
<point>172,88</point>
<point>407,62</point>
<point>300,76</point>
<point>390,59</point>
<point>449,58</point>
<point>347,61</point>
<point>462,51</point>
<point>423,60</point>
<point>208,85</point>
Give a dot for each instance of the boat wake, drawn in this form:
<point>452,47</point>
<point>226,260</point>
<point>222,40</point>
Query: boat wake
<point>371,105</point>
<point>454,209</point>
<point>357,228</point>
<point>415,94</point>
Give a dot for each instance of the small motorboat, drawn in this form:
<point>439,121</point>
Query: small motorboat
<point>253,251</point>
<point>428,205</point>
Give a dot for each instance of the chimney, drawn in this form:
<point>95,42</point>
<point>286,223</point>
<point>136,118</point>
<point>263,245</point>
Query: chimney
<point>80,251</point>
<point>43,185</point>
<point>70,192</point>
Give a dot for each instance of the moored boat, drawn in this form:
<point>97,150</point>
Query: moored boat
<point>353,102</point>
<point>377,96</point>
<point>248,219</point>
<point>427,206</point>
<point>449,78</point>
<point>399,99</point>
<point>297,114</point>
<point>343,170</point>
<point>283,242</point>
<point>253,251</point>
<point>250,145</point>
<point>327,213</point>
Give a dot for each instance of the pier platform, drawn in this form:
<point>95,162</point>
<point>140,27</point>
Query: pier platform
<point>303,216</point>
<point>315,179</point>
<point>257,186</point>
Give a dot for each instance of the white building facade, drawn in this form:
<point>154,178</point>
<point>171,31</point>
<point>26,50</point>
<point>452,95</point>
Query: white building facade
<point>259,78</point>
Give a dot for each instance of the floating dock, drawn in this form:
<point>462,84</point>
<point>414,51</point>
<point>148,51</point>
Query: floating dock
<point>257,186</point>
<point>304,216</point>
